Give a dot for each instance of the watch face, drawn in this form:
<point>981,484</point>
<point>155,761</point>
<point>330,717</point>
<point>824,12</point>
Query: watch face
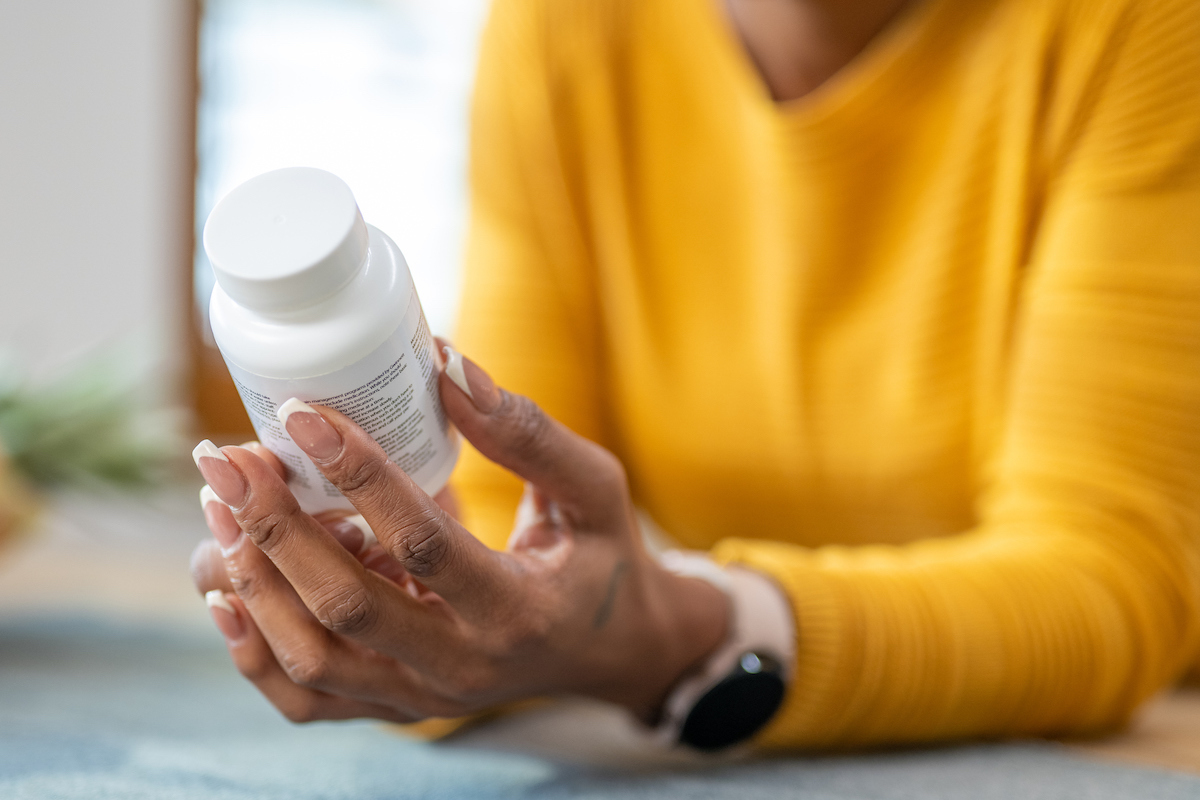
<point>737,707</point>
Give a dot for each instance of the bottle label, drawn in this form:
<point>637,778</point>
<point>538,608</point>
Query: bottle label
<point>392,393</point>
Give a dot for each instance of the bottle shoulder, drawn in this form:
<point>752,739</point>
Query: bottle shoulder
<point>324,337</point>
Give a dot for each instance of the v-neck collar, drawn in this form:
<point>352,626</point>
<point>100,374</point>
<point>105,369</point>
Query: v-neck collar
<point>875,79</point>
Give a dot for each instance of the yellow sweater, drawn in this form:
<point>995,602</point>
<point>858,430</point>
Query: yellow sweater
<point>923,346</point>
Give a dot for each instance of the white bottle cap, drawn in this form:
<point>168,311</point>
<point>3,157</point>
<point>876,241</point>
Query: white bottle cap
<point>286,239</point>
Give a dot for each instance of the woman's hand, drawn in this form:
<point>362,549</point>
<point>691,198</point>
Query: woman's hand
<point>575,605</point>
<point>351,531</point>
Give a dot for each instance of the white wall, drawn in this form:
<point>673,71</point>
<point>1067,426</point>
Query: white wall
<point>94,174</point>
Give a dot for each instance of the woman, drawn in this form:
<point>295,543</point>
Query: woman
<point>894,307</point>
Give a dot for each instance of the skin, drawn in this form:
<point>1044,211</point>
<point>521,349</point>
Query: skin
<point>429,622</point>
<point>798,45</point>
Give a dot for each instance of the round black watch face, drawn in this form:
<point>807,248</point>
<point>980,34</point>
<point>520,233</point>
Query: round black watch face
<point>737,707</point>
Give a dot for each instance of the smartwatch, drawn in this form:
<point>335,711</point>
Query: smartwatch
<point>737,691</point>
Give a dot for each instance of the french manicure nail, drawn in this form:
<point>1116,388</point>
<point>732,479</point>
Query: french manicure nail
<point>216,599</point>
<point>219,516</point>
<point>309,430</point>
<point>207,495</point>
<point>454,370</point>
<point>472,380</point>
<point>223,477</point>
<point>206,449</point>
<point>291,406</point>
<point>224,615</point>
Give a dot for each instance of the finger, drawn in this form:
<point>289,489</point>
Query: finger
<point>207,563</point>
<point>442,343</point>
<point>538,526</point>
<point>428,543</point>
<point>309,653</point>
<point>266,455</point>
<point>346,598</point>
<point>350,530</point>
<point>208,568</point>
<point>255,660</point>
<point>447,500</point>
<point>514,432</point>
<point>354,534</point>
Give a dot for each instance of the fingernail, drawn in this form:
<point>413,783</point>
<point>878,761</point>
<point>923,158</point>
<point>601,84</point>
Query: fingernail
<point>367,534</point>
<point>219,517</point>
<point>353,533</point>
<point>377,561</point>
<point>206,449</point>
<point>473,381</point>
<point>528,513</point>
<point>207,495</point>
<point>309,430</point>
<point>224,615</point>
<point>454,370</point>
<point>224,478</point>
<point>216,599</point>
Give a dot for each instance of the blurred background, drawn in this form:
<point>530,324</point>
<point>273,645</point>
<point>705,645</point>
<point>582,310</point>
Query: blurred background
<point>123,123</point>
<point>375,92</point>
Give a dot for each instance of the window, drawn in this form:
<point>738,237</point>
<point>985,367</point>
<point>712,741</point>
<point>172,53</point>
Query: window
<point>376,92</point>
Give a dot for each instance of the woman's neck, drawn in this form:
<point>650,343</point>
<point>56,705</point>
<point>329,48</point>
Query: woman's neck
<point>797,45</point>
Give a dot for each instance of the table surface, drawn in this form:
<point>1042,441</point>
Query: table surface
<point>98,622</point>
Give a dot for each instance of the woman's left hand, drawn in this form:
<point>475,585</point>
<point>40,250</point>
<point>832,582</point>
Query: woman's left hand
<point>575,605</point>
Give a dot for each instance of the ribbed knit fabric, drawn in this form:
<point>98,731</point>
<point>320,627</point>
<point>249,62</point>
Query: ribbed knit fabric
<point>923,346</point>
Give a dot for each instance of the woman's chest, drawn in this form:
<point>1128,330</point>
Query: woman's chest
<point>817,369</point>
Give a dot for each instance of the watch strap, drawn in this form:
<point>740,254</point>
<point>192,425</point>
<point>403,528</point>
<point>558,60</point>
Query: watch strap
<point>760,622</point>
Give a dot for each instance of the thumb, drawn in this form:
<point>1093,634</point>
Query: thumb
<point>514,432</point>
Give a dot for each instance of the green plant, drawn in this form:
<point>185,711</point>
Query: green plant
<point>91,426</point>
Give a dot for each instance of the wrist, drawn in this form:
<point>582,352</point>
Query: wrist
<point>689,619</point>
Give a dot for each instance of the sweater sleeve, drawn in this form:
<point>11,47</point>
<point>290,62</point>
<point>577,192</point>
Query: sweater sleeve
<point>1078,593</point>
<point>528,311</point>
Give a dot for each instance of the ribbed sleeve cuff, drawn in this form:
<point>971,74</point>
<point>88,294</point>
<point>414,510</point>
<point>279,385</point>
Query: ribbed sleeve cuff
<point>820,686</point>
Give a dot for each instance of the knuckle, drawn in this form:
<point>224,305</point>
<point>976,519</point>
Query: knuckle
<point>310,670</point>
<point>515,636</point>
<point>424,546</point>
<point>527,426</point>
<point>350,611</point>
<point>253,670</point>
<point>268,528</point>
<point>246,584</point>
<point>207,566</point>
<point>528,632</point>
<point>360,475</point>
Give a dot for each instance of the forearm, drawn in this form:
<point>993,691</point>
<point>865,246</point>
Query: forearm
<point>983,635</point>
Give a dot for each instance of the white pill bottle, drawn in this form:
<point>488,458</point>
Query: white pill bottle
<point>311,302</point>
